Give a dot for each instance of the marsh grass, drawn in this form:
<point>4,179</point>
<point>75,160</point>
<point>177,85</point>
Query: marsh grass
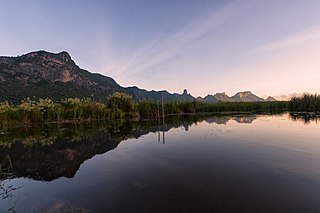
<point>150,108</point>
<point>46,110</point>
<point>120,105</point>
<point>305,103</point>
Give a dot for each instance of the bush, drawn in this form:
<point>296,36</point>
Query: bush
<point>120,105</point>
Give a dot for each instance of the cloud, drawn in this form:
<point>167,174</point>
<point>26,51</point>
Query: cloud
<point>291,41</point>
<point>162,48</point>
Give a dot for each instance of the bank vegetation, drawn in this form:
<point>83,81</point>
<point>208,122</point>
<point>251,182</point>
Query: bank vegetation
<point>121,106</point>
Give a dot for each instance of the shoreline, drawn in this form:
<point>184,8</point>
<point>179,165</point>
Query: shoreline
<point>227,113</point>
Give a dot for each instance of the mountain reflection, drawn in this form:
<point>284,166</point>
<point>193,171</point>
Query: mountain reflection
<point>49,152</point>
<point>225,119</point>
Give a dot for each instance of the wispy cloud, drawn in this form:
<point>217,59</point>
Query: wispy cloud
<point>312,33</point>
<point>163,48</point>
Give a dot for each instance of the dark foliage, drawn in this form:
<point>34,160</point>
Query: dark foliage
<point>305,103</point>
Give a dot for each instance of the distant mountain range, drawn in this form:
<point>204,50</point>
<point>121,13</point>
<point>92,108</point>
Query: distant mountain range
<point>245,96</point>
<point>43,74</point>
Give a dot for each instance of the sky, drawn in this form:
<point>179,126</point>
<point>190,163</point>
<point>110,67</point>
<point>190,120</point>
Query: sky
<point>268,47</point>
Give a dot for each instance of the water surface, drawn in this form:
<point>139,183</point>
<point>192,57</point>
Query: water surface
<point>256,163</point>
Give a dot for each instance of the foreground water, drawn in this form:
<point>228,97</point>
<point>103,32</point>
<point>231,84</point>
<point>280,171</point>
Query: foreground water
<point>190,164</point>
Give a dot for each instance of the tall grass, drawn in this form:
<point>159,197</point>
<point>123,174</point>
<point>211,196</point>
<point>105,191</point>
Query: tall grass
<point>81,109</point>
<point>120,105</point>
<point>45,110</point>
<point>305,103</point>
<point>150,108</point>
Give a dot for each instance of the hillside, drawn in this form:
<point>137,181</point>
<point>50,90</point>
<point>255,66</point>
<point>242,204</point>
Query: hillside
<point>42,74</point>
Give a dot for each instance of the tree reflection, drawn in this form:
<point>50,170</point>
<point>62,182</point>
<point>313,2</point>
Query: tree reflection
<point>307,118</point>
<point>47,152</point>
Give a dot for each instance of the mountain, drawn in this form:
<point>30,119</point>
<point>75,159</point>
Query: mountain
<point>270,99</point>
<point>223,97</point>
<point>210,99</point>
<point>246,96</point>
<point>43,74</point>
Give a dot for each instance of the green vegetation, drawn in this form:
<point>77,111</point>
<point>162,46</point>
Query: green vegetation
<point>305,103</point>
<point>45,110</point>
<point>30,111</point>
<point>150,108</point>
<point>120,105</point>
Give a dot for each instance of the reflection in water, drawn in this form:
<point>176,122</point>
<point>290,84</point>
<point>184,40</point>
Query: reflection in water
<point>224,170</point>
<point>225,119</point>
<point>305,117</point>
<point>51,151</point>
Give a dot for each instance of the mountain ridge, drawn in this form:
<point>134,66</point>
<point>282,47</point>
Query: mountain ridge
<point>55,75</point>
<point>246,96</point>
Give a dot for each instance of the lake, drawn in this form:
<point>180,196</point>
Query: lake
<point>236,163</point>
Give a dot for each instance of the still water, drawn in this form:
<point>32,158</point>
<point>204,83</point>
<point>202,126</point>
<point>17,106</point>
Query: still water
<point>256,163</point>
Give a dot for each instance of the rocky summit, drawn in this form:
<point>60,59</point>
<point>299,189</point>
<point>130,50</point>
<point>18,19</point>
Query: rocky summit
<point>246,96</point>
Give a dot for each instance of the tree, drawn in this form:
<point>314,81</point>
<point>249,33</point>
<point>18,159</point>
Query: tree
<point>120,104</point>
